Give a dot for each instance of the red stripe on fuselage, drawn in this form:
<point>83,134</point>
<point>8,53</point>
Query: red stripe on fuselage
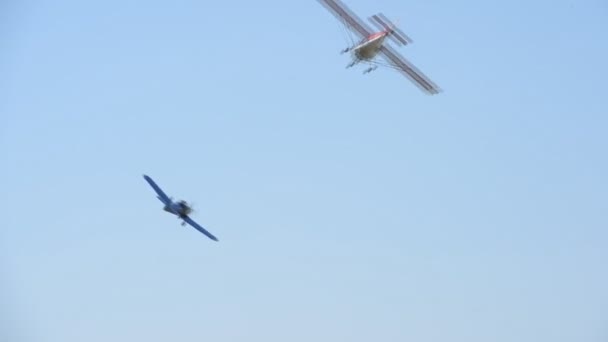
<point>376,35</point>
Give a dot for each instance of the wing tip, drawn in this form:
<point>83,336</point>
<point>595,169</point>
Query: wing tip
<point>150,181</point>
<point>435,91</point>
<point>212,237</point>
<point>200,228</point>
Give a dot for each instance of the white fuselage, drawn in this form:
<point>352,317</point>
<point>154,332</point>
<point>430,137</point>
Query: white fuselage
<point>368,49</point>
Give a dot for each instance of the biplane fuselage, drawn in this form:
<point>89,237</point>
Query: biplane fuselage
<point>369,47</point>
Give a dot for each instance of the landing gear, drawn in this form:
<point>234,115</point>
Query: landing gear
<point>345,50</point>
<point>351,64</point>
<point>370,69</point>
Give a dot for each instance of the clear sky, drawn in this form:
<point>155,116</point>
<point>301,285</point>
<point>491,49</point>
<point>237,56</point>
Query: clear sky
<point>348,207</point>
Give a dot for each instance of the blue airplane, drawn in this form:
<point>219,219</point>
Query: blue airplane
<point>180,209</point>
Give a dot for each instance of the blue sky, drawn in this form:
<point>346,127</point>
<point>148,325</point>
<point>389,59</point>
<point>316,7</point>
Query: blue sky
<point>349,207</point>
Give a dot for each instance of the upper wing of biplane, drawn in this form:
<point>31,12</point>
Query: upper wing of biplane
<point>161,194</point>
<point>191,222</point>
<point>409,70</point>
<point>339,9</point>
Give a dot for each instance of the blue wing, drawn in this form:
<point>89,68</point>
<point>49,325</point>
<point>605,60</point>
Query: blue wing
<point>161,195</point>
<point>188,220</point>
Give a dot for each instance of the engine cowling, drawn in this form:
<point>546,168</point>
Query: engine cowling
<point>184,208</point>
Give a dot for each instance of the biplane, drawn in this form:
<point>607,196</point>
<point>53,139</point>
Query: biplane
<point>371,43</point>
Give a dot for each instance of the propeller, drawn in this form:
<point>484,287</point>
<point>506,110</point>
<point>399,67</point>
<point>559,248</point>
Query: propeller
<point>383,23</point>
